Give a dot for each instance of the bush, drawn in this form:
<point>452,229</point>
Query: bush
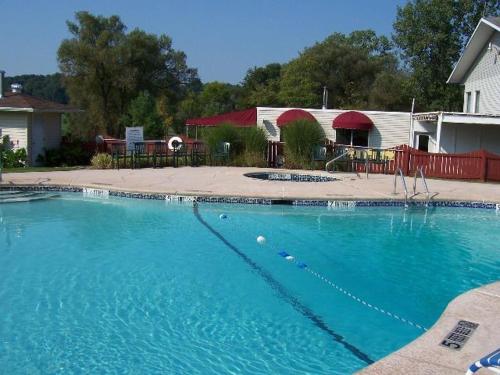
<point>102,161</point>
<point>255,145</point>
<point>69,154</point>
<point>300,138</point>
<point>12,158</point>
<point>224,133</point>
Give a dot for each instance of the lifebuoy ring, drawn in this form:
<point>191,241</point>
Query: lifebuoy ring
<point>174,143</point>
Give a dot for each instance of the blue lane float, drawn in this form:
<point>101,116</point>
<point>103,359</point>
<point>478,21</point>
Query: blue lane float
<point>303,266</point>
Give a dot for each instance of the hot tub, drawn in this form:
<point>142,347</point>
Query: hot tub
<point>292,177</point>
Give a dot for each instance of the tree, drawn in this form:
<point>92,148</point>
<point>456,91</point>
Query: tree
<point>43,86</point>
<point>143,112</point>
<point>390,92</point>
<point>217,97</point>
<point>104,68</point>
<point>346,64</point>
<point>431,35</point>
<point>261,86</point>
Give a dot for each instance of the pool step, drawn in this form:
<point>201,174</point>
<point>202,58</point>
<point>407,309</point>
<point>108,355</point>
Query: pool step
<point>15,196</point>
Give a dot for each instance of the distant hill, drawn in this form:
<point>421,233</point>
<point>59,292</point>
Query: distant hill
<point>44,86</point>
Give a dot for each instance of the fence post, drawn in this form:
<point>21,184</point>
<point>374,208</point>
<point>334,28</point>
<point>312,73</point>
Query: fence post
<point>484,166</point>
<point>406,160</point>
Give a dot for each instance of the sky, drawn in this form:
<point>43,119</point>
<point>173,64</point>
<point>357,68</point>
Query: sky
<point>222,38</point>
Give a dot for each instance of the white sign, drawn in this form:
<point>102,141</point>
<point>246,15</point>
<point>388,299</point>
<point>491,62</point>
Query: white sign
<point>133,135</point>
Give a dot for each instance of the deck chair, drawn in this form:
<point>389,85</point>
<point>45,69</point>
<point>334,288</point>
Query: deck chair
<point>319,154</point>
<point>140,153</point>
<point>490,362</point>
<point>222,152</point>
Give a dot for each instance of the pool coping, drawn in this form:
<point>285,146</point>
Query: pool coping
<point>244,199</point>
<point>421,356</point>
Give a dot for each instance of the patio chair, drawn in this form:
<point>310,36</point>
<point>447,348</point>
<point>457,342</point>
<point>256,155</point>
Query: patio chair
<point>319,154</point>
<point>222,152</point>
<point>139,154</point>
<point>179,152</point>
<point>376,157</point>
<point>159,153</point>
<point>118,153</point>
<point>198,154</point>
<point>490,362</point>
<point>359,157</point>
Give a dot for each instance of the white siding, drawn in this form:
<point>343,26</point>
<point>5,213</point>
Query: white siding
<point>460,138</point>
<point>45,133</point>
<point>390,128</point>
<point>484,76</point>
<point>15,125</point>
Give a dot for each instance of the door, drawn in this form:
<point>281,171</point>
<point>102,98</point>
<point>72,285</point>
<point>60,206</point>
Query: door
<point>37,138</point>
<point>423,142</point>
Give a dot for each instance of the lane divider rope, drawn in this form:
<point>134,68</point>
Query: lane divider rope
<point>319,276</point>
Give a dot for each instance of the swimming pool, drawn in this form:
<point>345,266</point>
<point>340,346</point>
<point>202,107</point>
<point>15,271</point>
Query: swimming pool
<point>123,285</point>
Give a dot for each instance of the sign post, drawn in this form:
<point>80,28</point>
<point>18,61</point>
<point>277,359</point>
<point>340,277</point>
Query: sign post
<point>133,135</point>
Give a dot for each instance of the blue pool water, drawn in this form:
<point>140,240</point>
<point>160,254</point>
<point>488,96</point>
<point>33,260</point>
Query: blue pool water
<point>145,287</point>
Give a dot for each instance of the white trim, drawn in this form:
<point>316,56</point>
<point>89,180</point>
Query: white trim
<point>331,110</point>
<point>438,133</point>
<point>15,109</point>
<point>469,42</point>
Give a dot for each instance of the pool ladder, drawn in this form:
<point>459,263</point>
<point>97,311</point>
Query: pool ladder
<point>420,171</point>
<point>399,172</point>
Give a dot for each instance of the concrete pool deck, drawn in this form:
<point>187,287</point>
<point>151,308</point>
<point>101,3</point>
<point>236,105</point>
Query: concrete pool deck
<point>230,181</point>
<point>425,355</point>
<point>422,356</point>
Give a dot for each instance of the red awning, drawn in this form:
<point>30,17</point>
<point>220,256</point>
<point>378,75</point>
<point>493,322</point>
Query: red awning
<point>352,120</point>
<point>294,115</point>
<point>245,118</point>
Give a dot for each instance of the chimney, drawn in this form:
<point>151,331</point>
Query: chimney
<point>2,75</point>
<point>325,97</point>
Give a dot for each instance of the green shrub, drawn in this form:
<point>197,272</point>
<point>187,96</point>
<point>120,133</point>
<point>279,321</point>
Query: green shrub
<point>254,140</point>
<point>69,154</point>
<point>300,138</point>
<point>248,145</point>
<point>12,158</point>
<point>223,133</point>
<point>255,146</point>
<point>102,161</point>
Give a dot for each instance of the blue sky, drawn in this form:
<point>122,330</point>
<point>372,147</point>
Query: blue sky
<point>222,38</point>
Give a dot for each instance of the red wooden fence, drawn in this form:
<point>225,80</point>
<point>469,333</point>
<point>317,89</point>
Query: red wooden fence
<point>478,165</point>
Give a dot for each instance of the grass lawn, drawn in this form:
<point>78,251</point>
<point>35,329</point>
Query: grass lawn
<point>39,169</point>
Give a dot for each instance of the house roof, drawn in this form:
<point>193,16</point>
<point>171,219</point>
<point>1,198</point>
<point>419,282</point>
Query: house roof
<point>19,102</point>
<point>481,35</point>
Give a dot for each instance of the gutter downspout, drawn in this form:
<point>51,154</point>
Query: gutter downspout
<point>411,135</point>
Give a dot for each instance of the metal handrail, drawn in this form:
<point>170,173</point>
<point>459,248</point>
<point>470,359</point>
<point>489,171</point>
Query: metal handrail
<point>399,172</point>
<point>420,170</point>
<point>334,160</point>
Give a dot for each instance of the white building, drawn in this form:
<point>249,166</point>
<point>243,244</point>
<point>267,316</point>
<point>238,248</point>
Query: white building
<point>478,126</point>
<point>31,123</point>
<point>359,128</point>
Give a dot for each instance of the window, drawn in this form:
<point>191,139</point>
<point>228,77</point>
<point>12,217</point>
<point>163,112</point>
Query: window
<point>476,102</point>
<point>423,142</point>
<point>468,99</point>
<point>352,137</point>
